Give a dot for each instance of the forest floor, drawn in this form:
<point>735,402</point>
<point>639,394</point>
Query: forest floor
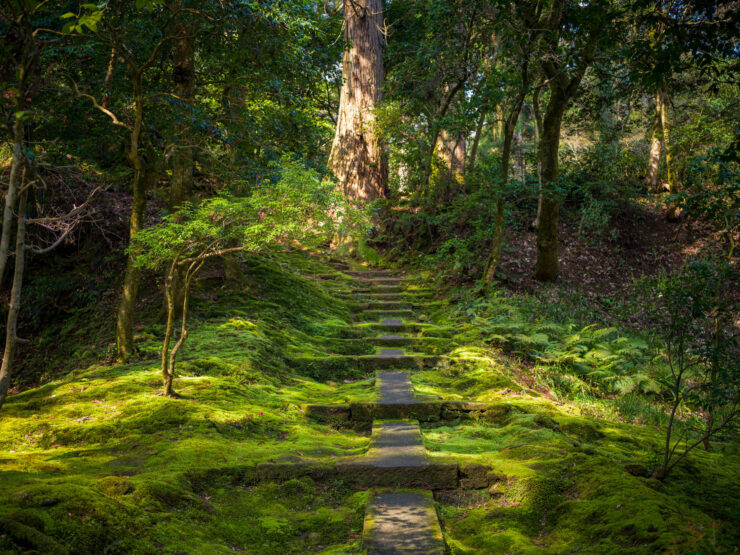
<point>96,460</point>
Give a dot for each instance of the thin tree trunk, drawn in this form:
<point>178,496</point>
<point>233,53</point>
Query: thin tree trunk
<point>10,196</point>
<point>170,302</point>
<point>143,174</point>
<point>476,141</point>
<point>11,328</point>
<point>509,128</point>
<point>357,153</point>
<point>546,268</point>
<point>654,160</point>
<point>538,120</point>
<point>108,82</point>
<point>673,211</point>
<point>129,293</point>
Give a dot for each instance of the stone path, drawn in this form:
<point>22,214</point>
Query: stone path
<point>402,521</point>
<point>398,522</point>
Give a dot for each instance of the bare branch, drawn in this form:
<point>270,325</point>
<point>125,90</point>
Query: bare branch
<point>106,111</point>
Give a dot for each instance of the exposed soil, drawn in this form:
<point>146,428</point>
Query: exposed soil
<point>639,243</point>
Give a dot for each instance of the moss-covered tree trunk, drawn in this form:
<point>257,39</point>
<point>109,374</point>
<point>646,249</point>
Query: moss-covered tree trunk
<point>546,267</point>
<point>357,152</point>
<point>11,327</point>
<point>142,176</point>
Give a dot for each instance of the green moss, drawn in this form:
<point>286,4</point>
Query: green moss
<point>98,461</point>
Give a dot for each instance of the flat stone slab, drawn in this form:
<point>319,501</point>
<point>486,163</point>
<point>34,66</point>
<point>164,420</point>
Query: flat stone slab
<point>397,458</point>
<point>393,339</point>
<point>423,411</point>
<point>389,305</point>
<point>391,353</point>
<point>392,322</point>
<point>387,313</point>
<point>403,407</point>
<point>370,273</point>
<point>394,387</point>
<point>402,523</point>
<point>387,289</point>
<point>430,475</point>
<point>381,280</point>
<point>396,443</point>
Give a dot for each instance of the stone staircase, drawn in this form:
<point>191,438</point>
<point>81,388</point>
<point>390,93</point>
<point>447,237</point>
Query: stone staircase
<point>403,520</point>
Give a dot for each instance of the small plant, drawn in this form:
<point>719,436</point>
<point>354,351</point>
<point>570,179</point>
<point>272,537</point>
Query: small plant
<point>698,308</point>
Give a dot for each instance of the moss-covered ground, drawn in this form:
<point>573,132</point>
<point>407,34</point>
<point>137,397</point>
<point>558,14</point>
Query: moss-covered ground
<point>98,461</point>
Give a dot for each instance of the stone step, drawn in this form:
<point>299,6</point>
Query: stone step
<point>397,458</point>
<point>402,523</point>
<point>371,273</point>
<point>366,474</point>
<point>394,387</point>
<point>375,314</point>
<point>396,443</point>
<point>388,305</point>
<point>423,410</point>
<point>393,340</point>
<point>382,280</point>
<point>385,358</point>
<point>382,289</point>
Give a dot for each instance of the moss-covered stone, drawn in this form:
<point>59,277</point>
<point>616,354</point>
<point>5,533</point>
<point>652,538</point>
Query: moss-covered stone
<point>115,485</point>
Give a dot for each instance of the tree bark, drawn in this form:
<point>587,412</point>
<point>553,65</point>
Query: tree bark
<point>654,160</point>
<point>10,196</point>
<point>476,141</point>
<point>142,176</point>
<point>673,210</point>
<point>130,290</point>
<point>546,268</point>
<point>183,76</point>
<point>450,149</point>
<point>11,328</point>
<point>562,89</point>
<point>357,153</point>
<point>509,126</point>
<point>108,82</point>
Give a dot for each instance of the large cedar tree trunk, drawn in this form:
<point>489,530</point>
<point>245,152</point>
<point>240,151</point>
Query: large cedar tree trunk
<point>357,153</point>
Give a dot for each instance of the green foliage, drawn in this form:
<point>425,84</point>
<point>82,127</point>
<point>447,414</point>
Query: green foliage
<point>298,209</point>
<point>713,193</point>
<point>698,308</point>
<point>607,361</point>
